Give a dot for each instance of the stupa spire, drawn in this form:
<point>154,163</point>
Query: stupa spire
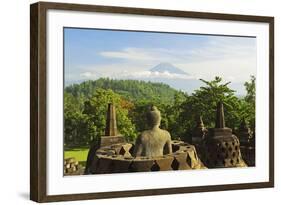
<point>200,123</point>
<point>111,124</point>
<point>220,122</point>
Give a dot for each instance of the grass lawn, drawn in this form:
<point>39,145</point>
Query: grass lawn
<point>80,154</point>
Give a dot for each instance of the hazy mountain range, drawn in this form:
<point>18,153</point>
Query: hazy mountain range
<point>164,73</point>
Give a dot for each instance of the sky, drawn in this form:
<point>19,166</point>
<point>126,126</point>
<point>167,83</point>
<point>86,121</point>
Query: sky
<point>93,53</point>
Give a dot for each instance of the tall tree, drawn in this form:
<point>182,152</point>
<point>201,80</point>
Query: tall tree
<point>251,90</point>
<point>250,104</point>
<point>203,103</point>
<point>78,129</point>
<point>96,109</point>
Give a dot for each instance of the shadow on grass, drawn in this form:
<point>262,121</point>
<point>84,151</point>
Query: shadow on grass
<point>83,163</point>
<point>76,148</point>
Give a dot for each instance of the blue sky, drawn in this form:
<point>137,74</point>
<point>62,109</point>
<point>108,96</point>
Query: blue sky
<point>92,53</point>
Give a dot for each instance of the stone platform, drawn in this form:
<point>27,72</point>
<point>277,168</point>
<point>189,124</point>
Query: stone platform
<point>118,158</point>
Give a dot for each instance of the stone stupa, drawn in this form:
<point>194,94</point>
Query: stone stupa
<point>247,143</point>
<point>111,137</point>
<point>221,148</point>
<point>111,133</point>
<point>154,150</point>
<point>199,133</point>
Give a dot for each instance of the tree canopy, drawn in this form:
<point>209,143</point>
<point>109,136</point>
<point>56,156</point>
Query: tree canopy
<point>133,90</point>
<point>85,107</point>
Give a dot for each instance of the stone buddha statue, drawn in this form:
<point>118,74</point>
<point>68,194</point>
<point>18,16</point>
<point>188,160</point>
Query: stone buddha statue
<point>154,142</point>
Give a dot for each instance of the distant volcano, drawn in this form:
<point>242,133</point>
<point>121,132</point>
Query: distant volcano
<point>167,67</point>
<point>173,76</point>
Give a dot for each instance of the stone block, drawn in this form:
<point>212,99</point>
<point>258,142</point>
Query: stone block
<point>111,140</point>
<point>179,162</point>
<point>120,164</point>
<point>220,132</point>
<point>164,163</point>
<point>141,164</point>
<point>104,165</point>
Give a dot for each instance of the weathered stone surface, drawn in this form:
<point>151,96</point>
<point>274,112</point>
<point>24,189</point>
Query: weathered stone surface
<point>154,142</point>
<point>221,148</point>
<point>249,155</point>
<point>193,161</point>
<point>121,164</point>
<point>244,133</point>
<point>220,122</point>
<point>111,132</point>
<point>93,166</point>
<point>176,145</point>
<point>104,165</point>
<point>164,163</point>
<point>125,150</point>
<point>72,167</point>
<point>142,164</point>
<point>117,159</point>
<point>222,151</point>
<point>108,150</point>
<point>154,150</point>
<point>247,142</point>
<point>198,133</point>
<point>111,140</point>
<point>220,132</point>
<point>111,124</point>
<point>179,162</point>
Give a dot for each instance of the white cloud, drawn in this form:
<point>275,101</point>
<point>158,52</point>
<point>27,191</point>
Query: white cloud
<point>229,69</point>
<point>136,75</point>
<point>211,51</point>
<point>88,75</point>
<point>152,75</point>
<point>144,55</point>
<point>131,54</point>
<point>233,59</point>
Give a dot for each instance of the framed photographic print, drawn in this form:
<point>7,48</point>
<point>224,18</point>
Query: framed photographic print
<point>134,102</point>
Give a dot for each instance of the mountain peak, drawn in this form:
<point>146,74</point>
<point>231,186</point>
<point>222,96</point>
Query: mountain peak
<point>167,67</point>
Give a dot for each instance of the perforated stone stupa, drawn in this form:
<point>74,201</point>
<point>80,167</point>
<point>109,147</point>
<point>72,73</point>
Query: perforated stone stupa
<point>247,143</point>
<point>221,148</point>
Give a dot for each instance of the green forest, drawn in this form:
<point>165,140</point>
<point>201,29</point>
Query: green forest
<point>85,107</point>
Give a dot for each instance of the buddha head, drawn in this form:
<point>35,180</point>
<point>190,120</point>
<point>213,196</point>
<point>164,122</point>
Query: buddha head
<point>153,117</point>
